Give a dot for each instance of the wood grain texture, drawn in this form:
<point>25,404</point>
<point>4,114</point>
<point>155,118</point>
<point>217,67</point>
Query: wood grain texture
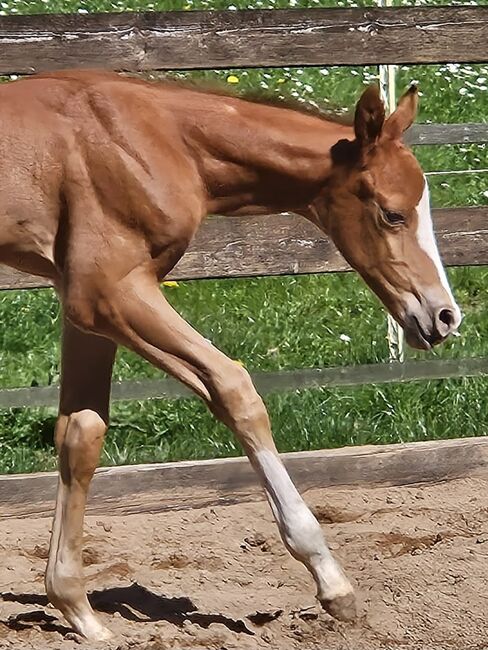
<point>270,382</point>
<point>259,38</point>
<point>172,486</point>
<point>228,247</point>
<point>420,134</point>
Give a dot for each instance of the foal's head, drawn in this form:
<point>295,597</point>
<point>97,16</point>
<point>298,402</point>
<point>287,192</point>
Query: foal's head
<point>375,207</point>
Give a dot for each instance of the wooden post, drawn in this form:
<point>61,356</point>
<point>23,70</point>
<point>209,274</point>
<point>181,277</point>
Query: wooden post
<point>387,76</point>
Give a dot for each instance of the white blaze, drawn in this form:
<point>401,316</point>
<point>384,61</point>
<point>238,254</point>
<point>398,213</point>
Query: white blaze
<point>427,242</point>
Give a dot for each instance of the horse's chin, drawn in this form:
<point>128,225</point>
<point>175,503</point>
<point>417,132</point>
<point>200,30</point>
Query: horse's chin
<point>418,337</point>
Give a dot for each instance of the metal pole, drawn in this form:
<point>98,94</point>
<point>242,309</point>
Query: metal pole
<point>387,78</point>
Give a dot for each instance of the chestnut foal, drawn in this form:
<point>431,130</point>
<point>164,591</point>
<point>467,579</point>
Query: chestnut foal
<point>105,181</point>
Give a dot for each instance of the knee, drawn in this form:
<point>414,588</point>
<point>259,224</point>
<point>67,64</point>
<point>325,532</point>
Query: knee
<point>237,394</point>
<point>233,383</point>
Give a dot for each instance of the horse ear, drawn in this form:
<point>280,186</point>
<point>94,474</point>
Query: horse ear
<point>369,117</point>
<point>404,115</point>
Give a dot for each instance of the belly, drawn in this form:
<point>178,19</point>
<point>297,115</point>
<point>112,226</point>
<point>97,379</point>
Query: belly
<point>28,245</point>
<point>31,263</point>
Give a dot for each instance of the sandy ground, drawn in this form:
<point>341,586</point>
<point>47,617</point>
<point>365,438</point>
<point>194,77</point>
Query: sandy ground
<point>219,578</point>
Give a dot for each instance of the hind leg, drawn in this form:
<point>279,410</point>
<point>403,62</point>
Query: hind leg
<point>83,417</point>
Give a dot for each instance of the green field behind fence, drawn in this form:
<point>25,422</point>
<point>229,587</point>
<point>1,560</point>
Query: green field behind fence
<point>277,323</point>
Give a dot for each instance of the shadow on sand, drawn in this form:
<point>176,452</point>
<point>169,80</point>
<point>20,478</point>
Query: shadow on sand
<point>134,603</point>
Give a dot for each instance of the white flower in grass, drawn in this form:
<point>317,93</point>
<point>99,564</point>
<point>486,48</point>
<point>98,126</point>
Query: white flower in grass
<point>345,338</point>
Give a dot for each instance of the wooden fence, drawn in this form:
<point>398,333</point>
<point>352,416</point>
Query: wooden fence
<point>227,39</point>
<point>279,244</point>
<point>160,487</point>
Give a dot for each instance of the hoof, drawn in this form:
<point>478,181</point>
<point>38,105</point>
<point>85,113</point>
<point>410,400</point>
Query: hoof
<point>105,634</point>
<point>99,634</point>
<point>92,630</point>
<point>342,608</point>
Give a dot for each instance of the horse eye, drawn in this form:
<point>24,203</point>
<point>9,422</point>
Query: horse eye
<point>393,218</point>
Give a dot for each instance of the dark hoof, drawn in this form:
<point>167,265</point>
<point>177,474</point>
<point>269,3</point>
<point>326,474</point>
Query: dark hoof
<point>343,607</point>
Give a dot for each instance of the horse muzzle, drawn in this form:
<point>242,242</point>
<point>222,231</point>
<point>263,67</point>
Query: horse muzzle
<point>427,326</point>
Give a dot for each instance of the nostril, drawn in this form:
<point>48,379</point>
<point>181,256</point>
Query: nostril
<point>447,316</point>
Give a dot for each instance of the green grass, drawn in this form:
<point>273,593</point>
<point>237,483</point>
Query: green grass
<point>276,323</point>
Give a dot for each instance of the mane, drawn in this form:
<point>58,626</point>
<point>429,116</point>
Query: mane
<point>329,113</point>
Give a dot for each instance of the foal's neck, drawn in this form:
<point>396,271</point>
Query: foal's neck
<point>257,158</point>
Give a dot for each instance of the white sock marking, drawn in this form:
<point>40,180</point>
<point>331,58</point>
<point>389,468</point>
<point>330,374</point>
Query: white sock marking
<point>299,529</point>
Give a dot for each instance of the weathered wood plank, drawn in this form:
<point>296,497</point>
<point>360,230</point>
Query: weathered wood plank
<point>13,279</point>
<point>173,486</point>
<point>289,245</point>
<point>446,134</point>
<point>271,382</point>
<point>223,39</point>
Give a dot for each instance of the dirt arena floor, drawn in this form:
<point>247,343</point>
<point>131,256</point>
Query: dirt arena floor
<point>219,578</point>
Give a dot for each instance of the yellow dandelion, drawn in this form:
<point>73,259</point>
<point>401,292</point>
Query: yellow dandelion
<point>170,283</point>
<point>232,79</point>
<point>281,81</point>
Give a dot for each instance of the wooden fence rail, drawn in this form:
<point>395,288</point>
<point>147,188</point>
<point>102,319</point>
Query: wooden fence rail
<point>159,487</point>
<point>271,382</point>
<point>287,244</point>
<point>421,134</point>
<point>260,38</point>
